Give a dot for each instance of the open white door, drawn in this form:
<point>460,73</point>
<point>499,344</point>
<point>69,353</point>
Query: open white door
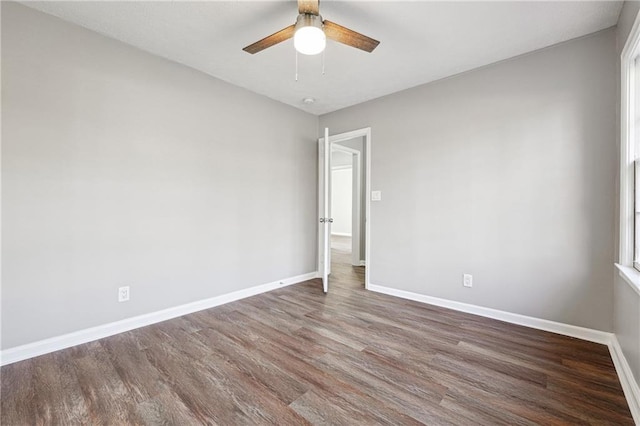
<point>324,209</point>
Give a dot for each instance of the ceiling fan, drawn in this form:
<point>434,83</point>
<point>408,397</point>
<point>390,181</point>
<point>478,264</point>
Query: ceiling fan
<point>310,33</point>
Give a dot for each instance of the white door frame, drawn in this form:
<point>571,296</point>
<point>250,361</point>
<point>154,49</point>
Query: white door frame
<point>356,207</point>
<point>366,133</point>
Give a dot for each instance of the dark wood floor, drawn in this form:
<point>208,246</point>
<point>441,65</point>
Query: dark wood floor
<point>295,356</point>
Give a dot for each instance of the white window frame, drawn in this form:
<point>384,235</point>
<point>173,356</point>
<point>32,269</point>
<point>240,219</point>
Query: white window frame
<point>629,106</point>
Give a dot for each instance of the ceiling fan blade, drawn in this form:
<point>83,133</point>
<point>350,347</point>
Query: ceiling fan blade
<point>309,6</point>
<point>349,37</point>
<point>273,39</point>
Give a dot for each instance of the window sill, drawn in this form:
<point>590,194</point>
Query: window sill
<point>631,276</point>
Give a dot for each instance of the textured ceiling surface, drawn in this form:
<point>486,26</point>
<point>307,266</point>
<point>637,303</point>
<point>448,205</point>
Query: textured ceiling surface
<point>420,41</point>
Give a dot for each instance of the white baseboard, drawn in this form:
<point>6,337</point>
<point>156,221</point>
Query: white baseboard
<point>340,234</point>
<point>627,380</point>
<point>589,334</point>
<point>53,344</point>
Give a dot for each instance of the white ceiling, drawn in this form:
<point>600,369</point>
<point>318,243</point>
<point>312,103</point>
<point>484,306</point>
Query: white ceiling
<point>420,41</point>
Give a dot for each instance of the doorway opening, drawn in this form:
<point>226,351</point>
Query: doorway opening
<point>346,210</point>
<point>344,204</point>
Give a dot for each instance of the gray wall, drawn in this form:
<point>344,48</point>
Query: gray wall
<point>626,323</point>
<point>121,168</point>
<point>507,173</point>
<point>626,302</point>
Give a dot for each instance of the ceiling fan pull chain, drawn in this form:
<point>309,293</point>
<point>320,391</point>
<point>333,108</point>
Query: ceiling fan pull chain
<point>296,65</point>
<point>323,61</point>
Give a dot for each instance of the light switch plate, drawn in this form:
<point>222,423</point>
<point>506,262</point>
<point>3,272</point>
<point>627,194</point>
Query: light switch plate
<point>376,195</point>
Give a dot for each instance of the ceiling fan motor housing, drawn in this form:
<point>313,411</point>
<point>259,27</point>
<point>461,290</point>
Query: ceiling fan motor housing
<point>308,20</point>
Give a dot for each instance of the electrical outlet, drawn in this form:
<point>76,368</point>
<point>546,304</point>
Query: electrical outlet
<point>467,280</point>
<point>123,294</point>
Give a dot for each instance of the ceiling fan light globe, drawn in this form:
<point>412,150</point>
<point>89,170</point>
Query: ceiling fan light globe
<point>309,40</point>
